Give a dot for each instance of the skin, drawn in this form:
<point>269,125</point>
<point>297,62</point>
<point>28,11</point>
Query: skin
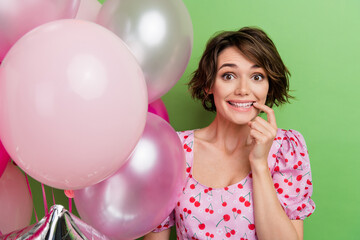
<point>238,141</point>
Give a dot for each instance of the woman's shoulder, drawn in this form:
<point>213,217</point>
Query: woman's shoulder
<point>290,137</point>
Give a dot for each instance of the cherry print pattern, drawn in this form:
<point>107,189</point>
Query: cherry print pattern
<point>227,213</point>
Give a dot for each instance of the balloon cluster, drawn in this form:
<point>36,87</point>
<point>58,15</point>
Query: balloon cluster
<point>77,80</point>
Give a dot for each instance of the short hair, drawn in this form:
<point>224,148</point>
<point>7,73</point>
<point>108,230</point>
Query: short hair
<point>258,48</point>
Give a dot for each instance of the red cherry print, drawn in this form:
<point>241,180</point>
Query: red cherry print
<point>228,235</point>
<point>192,199</point>
<point>185,209</point>
<point>206,210</point>
<point>159,226</point>
<point>274,156</point>
<point>188,169</point>
<point>224,204</point>
<point>234,209</point>
<point>189,150</point>
<point>197,204</point>
<point>242,199</point>
<point>286,160</point>
<point>247,204</point>
<point>302,154</point>
<point>185,137</point>
<point>190,175</point>
<point>299,163</point>
<point>178,203</point>
<point>299,177</point>
<point>306,188</point>
<point>238,211</point>
<point>285,180</point>
<point>212,235</point>
<point>298,208</point>
<point>298,190</point>
<point>290,183</point>
<point>226,217</point>
<point>276,185</point>
<point>240,186</point>
<point>286,196</point>
<point>296,166</point>
<point>181,217</point>
<point>297,218</point>
<point>210,189</point>
<point>251,226</point>
<point>250,175</point>
<point>206,191</point>
<point>303,205</point>
<point>185,146</point>
<point>226,188</point>
<point>192,186</point>
<point>308,182</point>
<point>211,211</point>
<point>277,169</point>
<point>207,234</point>
<point>280,190</point>
<point>189,211</point>
<point>201,226</point>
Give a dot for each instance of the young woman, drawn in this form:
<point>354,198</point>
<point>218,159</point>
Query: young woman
<point>246,179</point>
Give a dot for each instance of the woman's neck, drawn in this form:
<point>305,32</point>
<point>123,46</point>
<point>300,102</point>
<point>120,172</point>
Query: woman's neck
<point>226,135</point>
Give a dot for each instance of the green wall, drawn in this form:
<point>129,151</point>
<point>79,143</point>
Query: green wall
<point>319,42</point>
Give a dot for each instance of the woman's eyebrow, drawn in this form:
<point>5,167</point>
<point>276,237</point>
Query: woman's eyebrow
<point>228,65</point>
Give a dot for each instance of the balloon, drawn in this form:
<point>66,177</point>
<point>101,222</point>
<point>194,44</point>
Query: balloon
<point>18,17</point>
<point>4,158</point>
<point>158,107</point>
<point>15,202</point>
<point>143,192</point>
<point>88,10</point>
<point>73,103</point>
<point>158,32</point>
<point>57,224</point>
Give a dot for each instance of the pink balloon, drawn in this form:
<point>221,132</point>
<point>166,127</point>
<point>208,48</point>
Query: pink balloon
<point>143,192</point>
<point>19,16</point>
<point>158,107</point>
<point>15,202</point>
<point>4,159</point>
<point>88,10</point>
<point>73,103</point>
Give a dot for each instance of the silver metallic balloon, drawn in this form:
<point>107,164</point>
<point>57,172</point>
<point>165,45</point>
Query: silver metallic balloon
<point>158,32</point>
<point>58,224</point>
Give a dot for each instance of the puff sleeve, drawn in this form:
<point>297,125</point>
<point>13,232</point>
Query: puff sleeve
<point>166,224</point>
<point>292,176</point>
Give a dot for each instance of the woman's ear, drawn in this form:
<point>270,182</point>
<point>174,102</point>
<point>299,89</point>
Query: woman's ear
<point>208,91</point>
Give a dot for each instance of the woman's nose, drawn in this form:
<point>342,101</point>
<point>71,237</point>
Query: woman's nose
<point>242,87</point>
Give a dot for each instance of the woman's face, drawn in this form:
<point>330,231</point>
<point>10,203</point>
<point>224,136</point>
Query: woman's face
<point>238,83</point>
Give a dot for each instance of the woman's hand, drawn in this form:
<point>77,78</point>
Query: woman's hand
<point>262,134</point>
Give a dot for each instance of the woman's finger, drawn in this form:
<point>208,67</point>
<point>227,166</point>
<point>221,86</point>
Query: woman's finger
<point>269,112</point>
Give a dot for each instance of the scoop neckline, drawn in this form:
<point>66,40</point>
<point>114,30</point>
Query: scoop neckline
<point>204,186</point>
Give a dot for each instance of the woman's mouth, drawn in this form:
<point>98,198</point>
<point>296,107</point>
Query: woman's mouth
<point>241,105</point>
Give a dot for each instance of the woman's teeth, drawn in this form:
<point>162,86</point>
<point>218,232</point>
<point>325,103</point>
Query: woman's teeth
<point>242,105</point>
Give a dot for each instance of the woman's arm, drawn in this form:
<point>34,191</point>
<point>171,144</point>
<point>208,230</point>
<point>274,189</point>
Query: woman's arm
<point>163,235</point>
<point>271,220</point>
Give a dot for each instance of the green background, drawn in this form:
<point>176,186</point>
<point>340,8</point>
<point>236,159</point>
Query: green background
<point>319,42</point>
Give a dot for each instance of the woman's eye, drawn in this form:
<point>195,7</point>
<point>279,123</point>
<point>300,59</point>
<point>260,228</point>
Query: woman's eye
<point>258,77</point>
<point>227,76</point>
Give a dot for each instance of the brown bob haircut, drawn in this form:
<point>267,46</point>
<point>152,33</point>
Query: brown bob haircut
<point>258,48</point>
